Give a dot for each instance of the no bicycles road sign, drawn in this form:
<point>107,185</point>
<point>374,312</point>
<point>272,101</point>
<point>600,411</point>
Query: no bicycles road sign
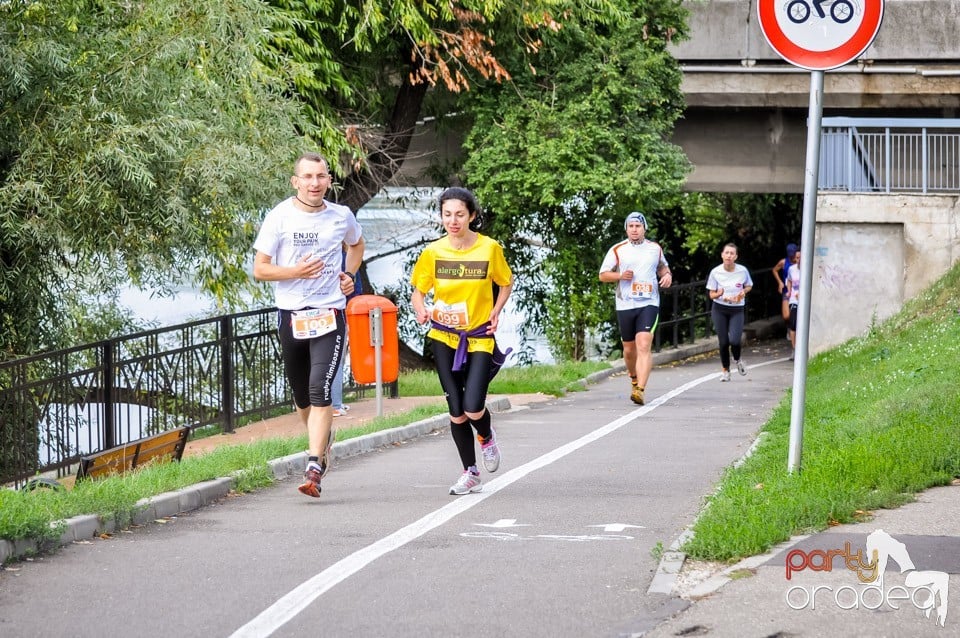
<point>820,34</point>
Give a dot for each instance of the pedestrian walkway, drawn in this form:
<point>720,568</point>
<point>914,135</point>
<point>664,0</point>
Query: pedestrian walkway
<point>80,528</point>
<point>755,599</point>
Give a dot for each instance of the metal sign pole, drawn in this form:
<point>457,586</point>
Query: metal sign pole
<point>808,229</point>
<point>376,340</point>
<point>817,43</point>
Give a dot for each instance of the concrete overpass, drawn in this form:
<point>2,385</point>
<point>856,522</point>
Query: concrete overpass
<point>744,128</point>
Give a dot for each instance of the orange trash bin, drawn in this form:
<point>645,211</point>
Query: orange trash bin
<point>363,362</point>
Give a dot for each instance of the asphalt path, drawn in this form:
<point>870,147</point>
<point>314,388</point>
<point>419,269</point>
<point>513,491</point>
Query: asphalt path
<point>564,540</point>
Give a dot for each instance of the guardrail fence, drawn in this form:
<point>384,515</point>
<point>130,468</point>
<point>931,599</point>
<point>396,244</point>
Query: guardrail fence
<point>57,406</point>
<point>895,155</point>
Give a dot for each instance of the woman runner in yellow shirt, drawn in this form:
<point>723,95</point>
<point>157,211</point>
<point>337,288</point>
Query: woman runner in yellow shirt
<point>461,269</point>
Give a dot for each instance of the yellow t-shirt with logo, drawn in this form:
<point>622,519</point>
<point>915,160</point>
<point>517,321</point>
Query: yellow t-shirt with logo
<point>462,284</point>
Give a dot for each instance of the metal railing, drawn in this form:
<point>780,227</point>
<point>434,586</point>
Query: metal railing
<point>890,155</point>
<point>58,406</point>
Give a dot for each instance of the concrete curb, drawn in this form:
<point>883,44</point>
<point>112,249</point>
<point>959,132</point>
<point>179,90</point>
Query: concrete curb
<point>713,584</point>
<point>700,346</point>
<point>671,562</point>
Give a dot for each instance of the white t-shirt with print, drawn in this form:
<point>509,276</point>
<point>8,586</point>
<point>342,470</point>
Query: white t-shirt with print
<point>733,282</point>
<point>793,275</point>
<point>288,234</point>
<point>644,260</point>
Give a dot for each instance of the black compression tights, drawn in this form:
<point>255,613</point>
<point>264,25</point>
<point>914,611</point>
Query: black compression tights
<point>462,434</point>
<point>728,322</point>
<point>463,438</point>
<point>465,389</point>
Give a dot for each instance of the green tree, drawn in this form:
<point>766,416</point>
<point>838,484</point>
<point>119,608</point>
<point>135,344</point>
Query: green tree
<point>560,156</point>
<point>395,63</point>
<point>139,142</point>
<point>761,224</point>
<point>370,70</point>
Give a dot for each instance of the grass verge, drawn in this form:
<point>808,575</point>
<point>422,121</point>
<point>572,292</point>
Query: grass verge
<point>880,425</point>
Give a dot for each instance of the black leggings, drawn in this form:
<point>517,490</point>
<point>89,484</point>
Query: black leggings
<point>466,389</point>
<point>728,322</point>
<point>311,364</point>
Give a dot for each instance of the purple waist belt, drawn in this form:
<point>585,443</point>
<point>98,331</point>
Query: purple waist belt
<point>480,332</point>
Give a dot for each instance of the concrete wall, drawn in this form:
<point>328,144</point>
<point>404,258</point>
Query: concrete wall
<point>872,253</point>
<point>744,150</point>
<point>926,30</point>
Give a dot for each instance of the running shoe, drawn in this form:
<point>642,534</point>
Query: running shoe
<point>311,480</point>
<point>725,375</point>
<point>325,459</point>
<point>468,482</point>
<point>491,452</point>
<point>636,395</point>
<point>742,369</point>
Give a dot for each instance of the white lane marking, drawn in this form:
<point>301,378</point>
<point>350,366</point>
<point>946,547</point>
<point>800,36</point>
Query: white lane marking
<point>504,522</point>
<point>617,527</point>
<point>507,536</point>
<point>291,604</point>
<point>580,539</point>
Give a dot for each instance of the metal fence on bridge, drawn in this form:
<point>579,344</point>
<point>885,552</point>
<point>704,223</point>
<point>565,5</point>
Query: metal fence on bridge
<point>58,406</point>
<point>895,155</point>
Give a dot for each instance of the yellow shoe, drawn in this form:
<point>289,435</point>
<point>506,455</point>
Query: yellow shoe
<point>636,395</point>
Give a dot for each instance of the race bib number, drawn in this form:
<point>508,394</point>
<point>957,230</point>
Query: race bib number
<point>314,322</point>
<point>641,290</point>
<point>450,315</point>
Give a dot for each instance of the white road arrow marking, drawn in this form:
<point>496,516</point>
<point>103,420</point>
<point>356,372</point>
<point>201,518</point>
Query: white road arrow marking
<point>616,527</point>
<point>504,522</point>
<point>579,539</point>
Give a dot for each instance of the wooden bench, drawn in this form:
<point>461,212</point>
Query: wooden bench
<point>167,445</point>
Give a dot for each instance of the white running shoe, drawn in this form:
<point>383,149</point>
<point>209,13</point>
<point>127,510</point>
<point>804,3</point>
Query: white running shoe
<point>741,368</point>
<point>725,375</point>
<point>491,452</point>
<point>468,482</point>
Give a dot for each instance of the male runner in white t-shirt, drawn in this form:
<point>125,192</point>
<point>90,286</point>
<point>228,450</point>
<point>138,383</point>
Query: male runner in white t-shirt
<point>639,269</point>
<point>300,248</point>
